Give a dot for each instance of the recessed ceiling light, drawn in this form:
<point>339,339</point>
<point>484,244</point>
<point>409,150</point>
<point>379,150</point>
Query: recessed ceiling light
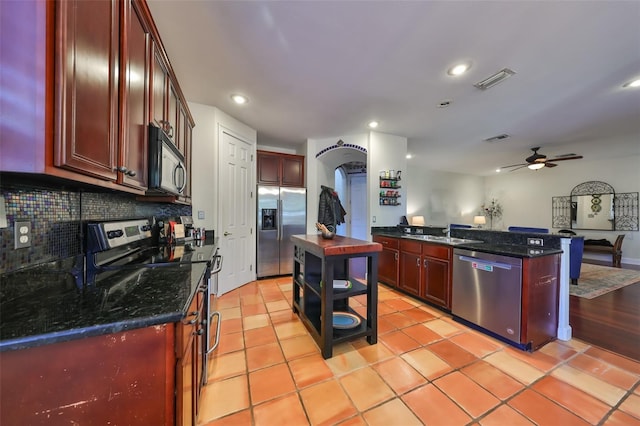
<point>634,83</point>
<point>459,69</point>
<point>239,99</point>
<point>409,156</point>
<point>373,124</point>
<point>498,170</point>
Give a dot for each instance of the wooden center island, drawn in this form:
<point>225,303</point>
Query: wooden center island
<point>317,261</point>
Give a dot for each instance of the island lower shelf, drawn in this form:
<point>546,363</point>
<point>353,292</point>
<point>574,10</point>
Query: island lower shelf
<point>317,262</point>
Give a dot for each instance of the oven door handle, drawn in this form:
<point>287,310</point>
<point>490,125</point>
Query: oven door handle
<point>217,261</point>
<point>217,341</point>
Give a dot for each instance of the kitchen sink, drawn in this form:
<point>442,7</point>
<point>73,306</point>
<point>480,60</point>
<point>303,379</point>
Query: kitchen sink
<point>442,239</point>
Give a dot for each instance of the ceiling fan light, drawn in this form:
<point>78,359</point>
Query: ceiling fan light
<point>634,83</point>
<point>536,166</point>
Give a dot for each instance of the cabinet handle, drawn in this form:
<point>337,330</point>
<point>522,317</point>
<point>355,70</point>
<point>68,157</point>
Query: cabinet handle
<point>124,170</point>
<point>395,255</point>
<point>227,233</point>
<point>425,263</point>
<point>418,262</point>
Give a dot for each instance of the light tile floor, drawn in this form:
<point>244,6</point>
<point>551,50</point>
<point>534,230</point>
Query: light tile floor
<point>425,369</point>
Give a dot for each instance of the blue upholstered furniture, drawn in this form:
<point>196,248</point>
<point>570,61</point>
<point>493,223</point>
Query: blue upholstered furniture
<point>457,225</point>
<point>528,229</point>
<point>575,258</point>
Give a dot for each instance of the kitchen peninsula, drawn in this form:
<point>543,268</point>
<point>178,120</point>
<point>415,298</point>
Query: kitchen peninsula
<point>318,261</point>
<point>471,273</point>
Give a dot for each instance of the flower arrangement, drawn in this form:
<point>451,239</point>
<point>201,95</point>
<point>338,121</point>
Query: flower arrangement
<point>493,210</point>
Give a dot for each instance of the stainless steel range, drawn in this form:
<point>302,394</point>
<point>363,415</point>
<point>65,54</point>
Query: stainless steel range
<point>124,253</point>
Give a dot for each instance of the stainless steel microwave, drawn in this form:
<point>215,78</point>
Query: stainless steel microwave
<point>167,173</point>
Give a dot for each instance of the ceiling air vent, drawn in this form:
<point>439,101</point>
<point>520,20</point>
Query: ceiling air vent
<point>495,79</point>
<point>497,138</point>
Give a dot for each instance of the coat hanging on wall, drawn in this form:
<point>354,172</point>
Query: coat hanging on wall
<point>330,210</point>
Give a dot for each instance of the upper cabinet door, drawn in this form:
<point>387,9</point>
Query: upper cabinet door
<point>268,169</point>
<point>160,86</point>
<point>87,73</point>
<point>136,71</point>
<point>293,170</point>
<point>280,169</point>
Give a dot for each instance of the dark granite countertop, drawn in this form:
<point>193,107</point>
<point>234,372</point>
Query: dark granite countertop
<point>509,247</point>
<point>50,303</point>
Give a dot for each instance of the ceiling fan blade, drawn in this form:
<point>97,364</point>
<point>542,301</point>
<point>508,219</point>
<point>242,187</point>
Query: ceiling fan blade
<point>513,165</point>
<point>518,168</point>
<point>549,164</point>
<point>575,157</point>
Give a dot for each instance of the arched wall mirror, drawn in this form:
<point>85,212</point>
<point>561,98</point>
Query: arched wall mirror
<point>594,205</point>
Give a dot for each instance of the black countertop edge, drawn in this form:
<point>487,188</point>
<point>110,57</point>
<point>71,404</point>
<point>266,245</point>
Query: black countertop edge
<point>84,332</point>
<point>510,250</point>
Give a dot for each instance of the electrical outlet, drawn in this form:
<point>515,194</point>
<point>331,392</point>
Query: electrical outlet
<point>535,242</point>
<point>374,219</point>
<point>200,214</point>
<point>22,234</point>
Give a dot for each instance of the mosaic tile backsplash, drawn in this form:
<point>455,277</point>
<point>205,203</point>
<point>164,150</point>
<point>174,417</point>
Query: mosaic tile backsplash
<point>56,218</point>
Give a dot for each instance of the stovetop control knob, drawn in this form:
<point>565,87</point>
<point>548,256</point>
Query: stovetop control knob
<point>115,234</point>
<point>146,228</point>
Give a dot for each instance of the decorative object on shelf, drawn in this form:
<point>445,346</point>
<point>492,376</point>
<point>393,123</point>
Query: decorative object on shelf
<point>479,220</point>
<point>389,179</point>
<point>492,211</point>
<point>417,221</point>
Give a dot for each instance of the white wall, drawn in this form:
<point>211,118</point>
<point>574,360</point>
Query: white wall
<point>386,152</point>
<point>442,197</point>
<point>204,162</point>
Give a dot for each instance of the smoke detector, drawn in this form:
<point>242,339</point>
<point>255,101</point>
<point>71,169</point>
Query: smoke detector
<point>495,79</point>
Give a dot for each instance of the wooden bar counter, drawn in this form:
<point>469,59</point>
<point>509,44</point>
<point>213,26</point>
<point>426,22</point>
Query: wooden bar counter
<point>318,261</point>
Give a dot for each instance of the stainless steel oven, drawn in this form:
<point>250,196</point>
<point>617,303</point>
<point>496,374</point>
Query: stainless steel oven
<point>125,251</point>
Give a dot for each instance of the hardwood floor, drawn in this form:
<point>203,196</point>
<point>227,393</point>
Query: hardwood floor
<point>611,321</point>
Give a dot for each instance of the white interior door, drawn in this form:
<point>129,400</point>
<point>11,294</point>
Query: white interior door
<point>236,212</point>
<point>357,185</point>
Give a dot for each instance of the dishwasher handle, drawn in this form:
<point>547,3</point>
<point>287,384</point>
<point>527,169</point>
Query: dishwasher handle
<point>490,264</point>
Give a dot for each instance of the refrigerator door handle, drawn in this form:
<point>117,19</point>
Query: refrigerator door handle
<point>280,230</point>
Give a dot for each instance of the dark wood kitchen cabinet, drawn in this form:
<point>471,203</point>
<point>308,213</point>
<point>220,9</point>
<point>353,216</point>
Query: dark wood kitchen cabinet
<point>425,271</point>
<point>87,81</point>
<point>121,378</point>
<point>83,116</point>
<point>411,267</point>
<point>170,112</point>
<point>189,347</point>
<point>280,169</point>
<point>101,123</point>
<point>389,260</point>
<point>540,298</point>
<point>436,264</point>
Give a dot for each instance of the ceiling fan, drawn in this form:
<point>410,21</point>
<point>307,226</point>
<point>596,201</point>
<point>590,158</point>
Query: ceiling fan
<point>537,161</point>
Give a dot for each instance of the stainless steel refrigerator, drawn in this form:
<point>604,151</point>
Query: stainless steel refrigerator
<point>281,214</point>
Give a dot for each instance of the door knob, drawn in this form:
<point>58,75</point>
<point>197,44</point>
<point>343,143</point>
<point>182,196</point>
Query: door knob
<point>227,233</point>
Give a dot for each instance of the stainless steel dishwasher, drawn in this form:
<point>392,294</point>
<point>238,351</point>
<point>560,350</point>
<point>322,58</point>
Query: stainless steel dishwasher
<point>487,291</point>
